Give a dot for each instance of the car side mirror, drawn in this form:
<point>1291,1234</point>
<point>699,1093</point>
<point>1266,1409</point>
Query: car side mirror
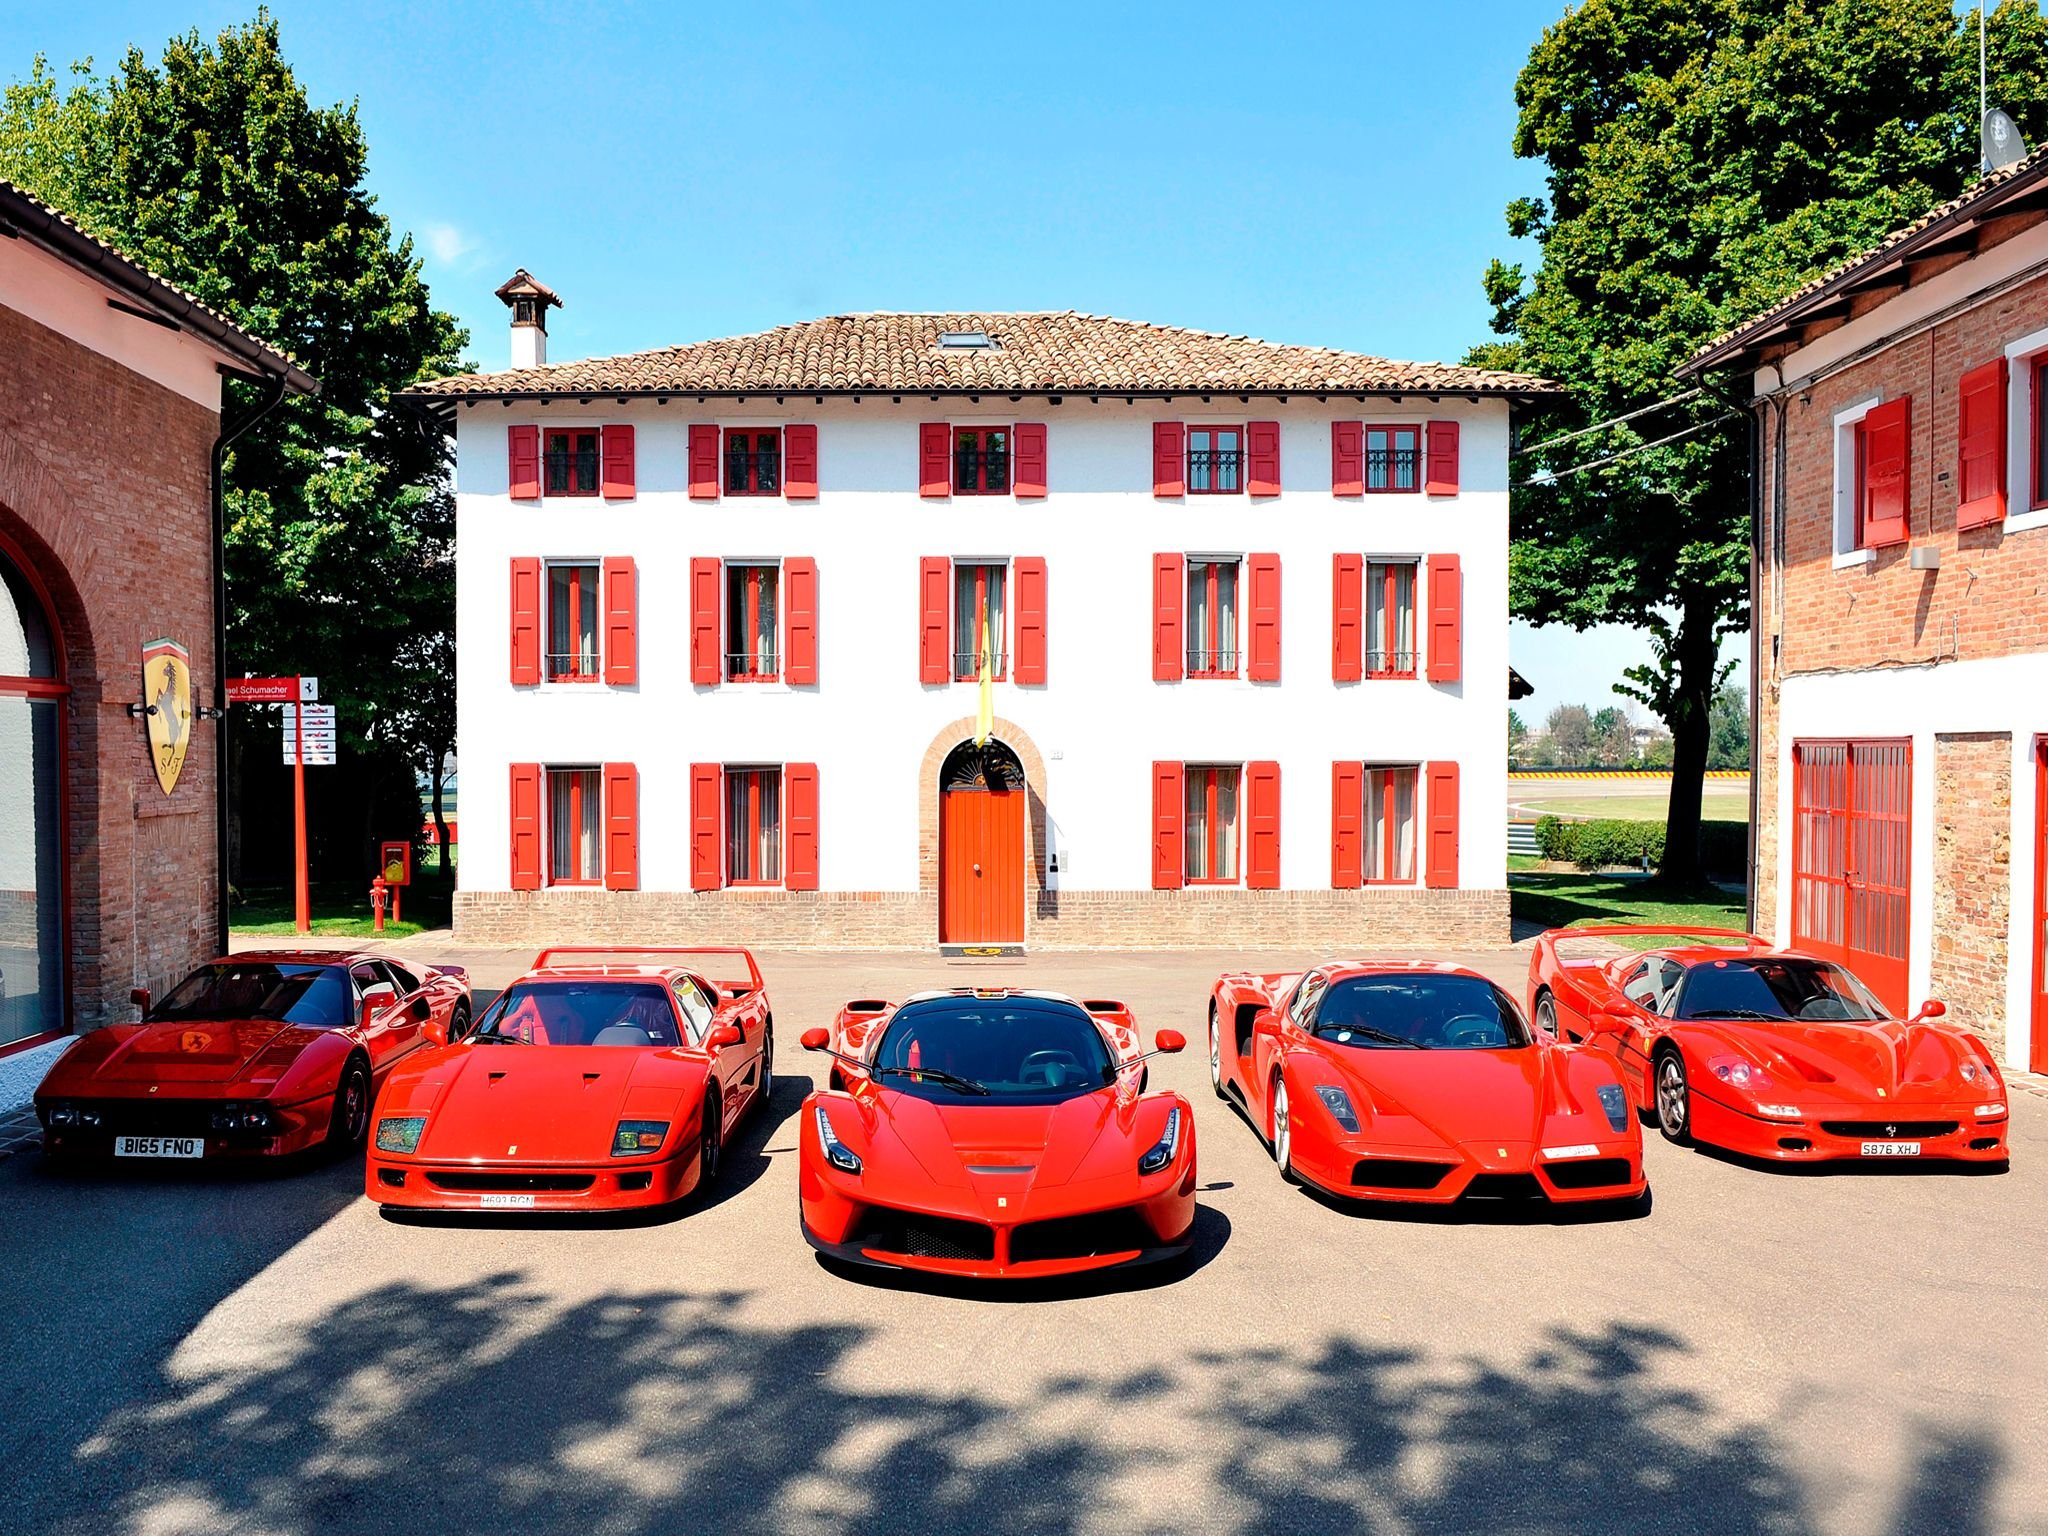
<point>815,1039</point>
<point>1169,1040</point>
<point>434,1032</point>
<point>139,996</point>
<point>376,1000</point>
<point>1265,1022</point>
<point>725,1037</point>
<point>1933,1008</point>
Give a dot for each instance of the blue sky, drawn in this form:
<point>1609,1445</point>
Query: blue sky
<point>1331,175</point>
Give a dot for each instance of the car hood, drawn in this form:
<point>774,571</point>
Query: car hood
<point>1836,1062</point>
<point>194,1051</point>
<point>541,1103</point>
<point>992,1152</point>
<point>1420,1098</point>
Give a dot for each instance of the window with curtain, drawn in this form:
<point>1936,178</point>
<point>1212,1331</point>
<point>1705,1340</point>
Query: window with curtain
<point>1390,825</point>
<point>572,623</point>
<point>1390,618</point>
<point>1211,824</point>
<point>978,593</point>
<point>751,654</point>
<point>575,820</point>
<point>1212,618</point>
<point>753,826</point>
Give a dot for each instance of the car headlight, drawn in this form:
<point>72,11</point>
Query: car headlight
<point>637,1138</point>
<point>1990,1111</point>
<point>1780,1111</point>
<point>837,1152</point>
<point>400,1133</point>
<point>1338,1103</point>
<point>1614,1103</point>
<point>1165,1147</point>
<point>62,1116</point>
<point>1737,1072</point>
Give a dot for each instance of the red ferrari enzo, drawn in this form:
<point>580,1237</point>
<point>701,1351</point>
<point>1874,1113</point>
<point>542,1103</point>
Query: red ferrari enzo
<point>595,1082</point>
<point>994,1133</point>
<point>259,1055</point>
<point>1772,1053</point>
<point>1415,1082</point>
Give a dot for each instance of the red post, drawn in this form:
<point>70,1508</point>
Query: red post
<point>377,893</point>
<point>304,905</point>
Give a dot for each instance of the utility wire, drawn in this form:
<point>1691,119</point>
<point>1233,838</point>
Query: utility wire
<point>1612,421</point>
<point>1614,458</point>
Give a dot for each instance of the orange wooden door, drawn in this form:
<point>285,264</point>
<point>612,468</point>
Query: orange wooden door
<point>981,866</point>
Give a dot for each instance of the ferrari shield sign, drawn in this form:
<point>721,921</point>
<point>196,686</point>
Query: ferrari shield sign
<point>167,694</point>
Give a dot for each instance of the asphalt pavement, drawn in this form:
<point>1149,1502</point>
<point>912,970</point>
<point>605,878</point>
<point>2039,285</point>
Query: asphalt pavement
<point>1765,1351</point>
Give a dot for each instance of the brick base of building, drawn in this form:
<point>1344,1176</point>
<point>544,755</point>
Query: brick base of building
<point>1336,921</point>
<point>1973,879</point>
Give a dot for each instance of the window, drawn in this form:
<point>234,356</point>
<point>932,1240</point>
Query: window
<point>575,817</point>
<point>696,1009</point>
<point>753,826</point>
<point>572,623</point>
<point>1215,461</point>
<point>750,615</point>
<point>1393,459</point>
<point>1212,618</point>
<point>978,592</point>
<point>1389,826</point>
<point>753,461</point>
<point>571,462</point>
<point>1306,995</point>
<point>981,461</point>
<point>1390,618</point>
<point>1211,825</point>
<point>2037,428</point>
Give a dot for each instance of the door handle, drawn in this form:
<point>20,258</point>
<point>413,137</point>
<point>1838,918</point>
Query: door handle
<point>977,869</point>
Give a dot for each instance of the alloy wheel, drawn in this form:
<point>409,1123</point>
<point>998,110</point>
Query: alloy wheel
<point>1674,1107</point>
<point>1283,1132</point>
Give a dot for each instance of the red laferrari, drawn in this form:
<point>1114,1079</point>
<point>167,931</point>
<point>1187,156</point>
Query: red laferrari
<point>595,1082</point>
<point>1415,1082</point>
<point>1772,1053</point>
<point>994,1133</point>
<point>260,1055</point>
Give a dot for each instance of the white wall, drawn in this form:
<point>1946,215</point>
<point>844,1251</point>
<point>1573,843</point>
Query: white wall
<point>1100,721</point>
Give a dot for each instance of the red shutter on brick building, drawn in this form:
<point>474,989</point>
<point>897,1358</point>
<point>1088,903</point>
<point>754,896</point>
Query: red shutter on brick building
<point>704,576</point>
<point>800,792</point>
<point>1262,660</point>
<point>617,458</point>
<point>523,448</point>
<point>1169,588</point>
<point>1347,458</point>
<point>1347,826</point>
<point>525,830</point>
<point>934,459</point>
<point>1440,846</point>
<point>621,622</point>
<point>1030,574</point>
<point>1980,426</point>
<point>1347,617</point>
<point>1169,863</point>
<point>1887,471</point>
<point>1442,466</point>
<point>621,827</point>
<point>703,461</point>
<point>1262,826</point>
<point>800,602</point>
<point>1262,457</point>
<point>1029,479</point>
<point>934,645</point>
<point>525,621</point>
<point>1169,459</point>
<point>1446,619</point>
<point>707,784</point>
<point>800,461</point>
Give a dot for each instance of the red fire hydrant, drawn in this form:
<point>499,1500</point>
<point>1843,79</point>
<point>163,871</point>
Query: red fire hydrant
<point>377,897</point>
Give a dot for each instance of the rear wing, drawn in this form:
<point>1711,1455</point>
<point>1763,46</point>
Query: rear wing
<point>1545,950</point>
<point>626,952</point>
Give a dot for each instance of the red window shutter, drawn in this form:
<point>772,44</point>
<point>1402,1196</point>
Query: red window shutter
<point>707,785</point>
<point>934,459</point>
<point>616,456</point>
<point>800,602</point>
<point>1980,412</point>
<point>1347,458</point>
<point>1347,826</point>
<point>800,835</point>
<point>1262,663</point>
<point>621,827</point>
<point>703,461</point>
<point>1169,459</point>
<point>1029,476</point>
<point>1030,574</point>
<point>1347,606</point>
<point>1446,619</point>
<point>1169,859</point>
<point>1887,472</point>
<point>525,621</point>
<point>1262,826</point>
<point>704,576</point>
<point>934,651</point>
<point>1442,469</point>
<point>526,781</point>
<point>523,446</point>
<point>1440,853</point>
<point>621,622</point>
<point>1262,457</point>
<point>800,461</point>
<point>1169,594</point>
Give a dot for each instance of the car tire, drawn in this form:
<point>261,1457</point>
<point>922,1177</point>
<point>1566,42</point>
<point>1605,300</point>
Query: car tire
<point>764,1086</point>
<point>710,1143</point>
<point>1282,1130</point>
<point>1546,1014</point>
<point>348,1126</point>
<point>458,1022</point>
<point>1215,1052</point>
<point>1674,1098</point>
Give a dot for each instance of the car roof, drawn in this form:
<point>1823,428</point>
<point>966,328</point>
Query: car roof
<point>1344,970</point>
<point>1033,994</point>
<point>295,957</point>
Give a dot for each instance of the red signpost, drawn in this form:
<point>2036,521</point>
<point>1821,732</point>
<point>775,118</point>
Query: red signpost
<point>297,692</point>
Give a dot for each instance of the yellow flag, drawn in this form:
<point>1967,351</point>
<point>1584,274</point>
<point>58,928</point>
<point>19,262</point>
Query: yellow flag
<point>985,717</point>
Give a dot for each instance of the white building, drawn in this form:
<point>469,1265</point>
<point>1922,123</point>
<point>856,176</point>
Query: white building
<point>722,610</point>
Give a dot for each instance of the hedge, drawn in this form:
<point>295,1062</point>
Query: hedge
<point>1603,844</point>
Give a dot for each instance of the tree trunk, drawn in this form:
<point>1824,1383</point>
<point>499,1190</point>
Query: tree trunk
<point>436,772</point>
<point>1692,698</point>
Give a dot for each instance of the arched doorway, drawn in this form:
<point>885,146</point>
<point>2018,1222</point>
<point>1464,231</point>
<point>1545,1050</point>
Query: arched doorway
<point>982,800</point>
<point>31,812</point>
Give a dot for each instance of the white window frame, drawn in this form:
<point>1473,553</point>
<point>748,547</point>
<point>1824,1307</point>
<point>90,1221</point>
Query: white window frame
<point>1848,514</point>
<point>2020,357</point>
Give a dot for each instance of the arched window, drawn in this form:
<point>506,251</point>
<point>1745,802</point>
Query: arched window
<point>27,648</point>
<point>31,814</point>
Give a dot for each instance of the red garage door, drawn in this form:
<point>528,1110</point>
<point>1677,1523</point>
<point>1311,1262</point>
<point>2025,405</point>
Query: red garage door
<point>1851,840</point>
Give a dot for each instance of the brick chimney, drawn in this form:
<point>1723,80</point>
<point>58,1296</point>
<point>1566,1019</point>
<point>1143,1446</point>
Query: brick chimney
<point>529,300</point>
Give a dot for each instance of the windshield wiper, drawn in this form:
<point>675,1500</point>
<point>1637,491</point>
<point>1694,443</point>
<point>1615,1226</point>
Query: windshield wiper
<point>964,1084</point>
<point>494,1034</point>
<point>1743,1013</point>
<point>1377,1034</point>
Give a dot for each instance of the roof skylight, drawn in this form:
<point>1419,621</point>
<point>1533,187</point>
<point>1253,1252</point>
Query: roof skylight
<point>958,341</point>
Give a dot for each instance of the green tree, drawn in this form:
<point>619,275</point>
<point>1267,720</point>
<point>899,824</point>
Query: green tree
<point>1728,728</point>
<point>1571,736</point>
<point>1518,736</point>
<point>1614,738</point>
<point>1702,158</point>
<point>211,167</point>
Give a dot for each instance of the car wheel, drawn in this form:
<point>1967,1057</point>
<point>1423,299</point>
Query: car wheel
<point>1674,1098</point>
<point>1283,1131</point>
<point>764,1088</point>
<point>1546,1015</point>
<point>350,1123</point>
<point>458,1022</point>
<point>1215,1052</point>
<point>709,1147</point>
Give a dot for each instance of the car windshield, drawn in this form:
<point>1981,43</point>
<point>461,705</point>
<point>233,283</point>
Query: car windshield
<point>1409,1011</point>
<point>316,996</point>
<point>581,1013</point>
<point>987,1050</point>
<point>1776,987</point>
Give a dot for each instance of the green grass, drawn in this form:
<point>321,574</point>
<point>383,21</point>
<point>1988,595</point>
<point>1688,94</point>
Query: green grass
<point>1713,806</point>
<point>340,910</point>
<point>1574,900</point>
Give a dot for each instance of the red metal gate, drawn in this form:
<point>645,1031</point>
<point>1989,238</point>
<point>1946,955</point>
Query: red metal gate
<point>1851,857</point>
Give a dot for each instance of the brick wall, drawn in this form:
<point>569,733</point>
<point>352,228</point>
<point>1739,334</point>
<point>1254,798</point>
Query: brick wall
<point>1973,879</point>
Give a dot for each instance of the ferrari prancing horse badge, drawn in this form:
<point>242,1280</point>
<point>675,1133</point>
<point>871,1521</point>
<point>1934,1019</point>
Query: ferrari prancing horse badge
<point>167,691</point>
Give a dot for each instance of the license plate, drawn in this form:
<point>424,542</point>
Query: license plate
<point>159,1146</point>
<point>1891,1149</point>
<point>508,1202</point>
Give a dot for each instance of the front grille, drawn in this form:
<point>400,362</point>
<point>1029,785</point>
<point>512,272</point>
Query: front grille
<point>484,1183</point>
<point>1504,1186</point>
<point>1080,1237</point>
<point>1889,1130</point>
<point>1592,1173</point>
<point>925,1237</point>
<point>1390,1173</point>
<point>147,1117</point>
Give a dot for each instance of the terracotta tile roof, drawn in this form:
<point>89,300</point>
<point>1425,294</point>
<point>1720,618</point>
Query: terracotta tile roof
<point>1059,351</point>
